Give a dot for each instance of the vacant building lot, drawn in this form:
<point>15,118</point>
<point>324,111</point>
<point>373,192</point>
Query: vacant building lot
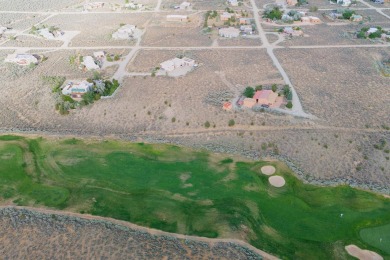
<point>373,17</point>
<point>324,34</point>
<point>241,41</point>
<point>93,32</point>
<point>355,94</point>
<point>28,5</point>
<point>20,22</point>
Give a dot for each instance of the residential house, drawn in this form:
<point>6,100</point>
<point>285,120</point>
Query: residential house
<point>177,18</point>
<point>45,33</point>
<point>249,102</point>
<point>292,2</point>
<point>230,32</point>
<point>133,6</point>
<point>81,87</point>
<point>225,16</point>
<point>22,59</point>
<point>292,31</point>
<point>93,5</point>
<point>99,55</point>
<point>233,2</point>
<point>244,21</point>
<point>305,19</point>
<point>89,63</point>
<point>344,3</point>
<point>314,19</point>
<point>246,29</point>
<point>356,18</point>
<point>265,97</point>
<point>3,29</point>
<point>125,32</point>
<point>171,65</point>
<point>371,30</point>
<point>184,5</point>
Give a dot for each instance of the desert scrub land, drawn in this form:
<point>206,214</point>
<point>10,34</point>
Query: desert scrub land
<point>340,99</point>
<point>19,21</point>
<point>28,5</point>
<point>196,193</point>
<point>77,237</point>
<point>91,36</point>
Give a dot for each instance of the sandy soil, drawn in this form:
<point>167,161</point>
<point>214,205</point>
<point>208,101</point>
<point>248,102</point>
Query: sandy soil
<point>277,181</point>
<point>268,170</point>
<point>362,254</point>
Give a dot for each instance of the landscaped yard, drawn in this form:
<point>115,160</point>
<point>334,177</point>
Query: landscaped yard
<point>192,192</point>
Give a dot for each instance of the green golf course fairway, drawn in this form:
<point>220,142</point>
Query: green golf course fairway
<point>192,192</point>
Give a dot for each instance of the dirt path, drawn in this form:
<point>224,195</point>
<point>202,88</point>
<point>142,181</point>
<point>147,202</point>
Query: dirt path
<point>265,255</point>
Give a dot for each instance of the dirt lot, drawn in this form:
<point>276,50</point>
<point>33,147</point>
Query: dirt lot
<point>20,21</point>
<point>340,99</point>
<point>28,5</point>
<point>90,35</point>
<point>324,34</point>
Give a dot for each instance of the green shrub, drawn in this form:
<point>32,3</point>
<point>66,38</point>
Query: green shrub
<point>289,105</point>
<point>249,92</point>
<point>231,122</point>
<point>207,124</point>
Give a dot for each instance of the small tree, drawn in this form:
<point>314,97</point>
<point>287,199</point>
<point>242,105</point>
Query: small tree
<point>259,87</point>
<point>231,122</point>
<point>249,92</point>
<point>207,124</point>
<point>289,105</point>
<point>274,87</point>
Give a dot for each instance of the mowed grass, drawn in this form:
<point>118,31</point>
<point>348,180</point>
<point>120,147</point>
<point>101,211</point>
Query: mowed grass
<point>378,237</point>
<point>191,192</point>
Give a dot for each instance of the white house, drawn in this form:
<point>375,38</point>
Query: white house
<point>89,63</point>
<point>230,32</point>
<point>125,32</point>
<point>226,16</point>
<point>184,5</point>
<point>99,54</point>
<point>45,33</point>
<point>77,88</point>
<point>93,5</point>
<point>3,29</point>
<point>233,2</point>
<point>246,29</point>
<point>171,65</point>
<point>177,18</point>
<point>22,59</point>
<point>345,3</point>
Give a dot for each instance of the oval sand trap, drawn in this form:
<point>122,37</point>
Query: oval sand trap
<point>362,254</point>
<point>277,181</point>
<point>268,170</point>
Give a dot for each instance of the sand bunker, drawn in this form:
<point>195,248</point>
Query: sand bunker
<point>277,181</point>
<point>362,254</point>
<point>268,170</point>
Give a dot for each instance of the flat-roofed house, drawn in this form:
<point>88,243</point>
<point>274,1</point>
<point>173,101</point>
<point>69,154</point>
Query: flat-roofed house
<point>225,16</point>
<point>171,65</point>
<point>125,32</point>
<point>89,63</point>
<point>184,5</point>
<point>22,59</point>
<point>265,97</point>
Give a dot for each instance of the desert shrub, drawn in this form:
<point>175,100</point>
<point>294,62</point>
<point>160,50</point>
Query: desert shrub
<point>173,119</point>
<point>289,105</point>
<point>313,9</point>
<point>231,122</point>
<point>207,124</point>
<point>274,87</point>
<point>347,14</point>
<point>258,87</point>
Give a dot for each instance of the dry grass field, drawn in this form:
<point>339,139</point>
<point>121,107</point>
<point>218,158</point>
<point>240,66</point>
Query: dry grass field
<point>355,95</point>
<point>241,41</point>
<point>28,5</point>
<point>93,32</point>
<point>20,21</point>
<point>325,34</point>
